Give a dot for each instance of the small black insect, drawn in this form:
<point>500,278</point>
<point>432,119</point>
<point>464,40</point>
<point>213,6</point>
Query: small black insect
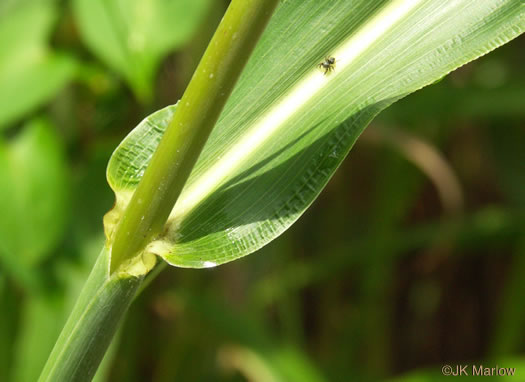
<point>328,64</point>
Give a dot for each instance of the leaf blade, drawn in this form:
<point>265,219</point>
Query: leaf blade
<point>287,126</point>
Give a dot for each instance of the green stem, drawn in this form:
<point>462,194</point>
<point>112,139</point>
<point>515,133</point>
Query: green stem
<point>107,294</point>
<point>196,114</point>
<point>92,324</point>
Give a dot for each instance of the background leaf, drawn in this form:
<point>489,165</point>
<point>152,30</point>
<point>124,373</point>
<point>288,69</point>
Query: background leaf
<point>30,73</point>
<point>133,36</point>
<point>33,197</point>
<point>41,321</point>
<point>287,126</point>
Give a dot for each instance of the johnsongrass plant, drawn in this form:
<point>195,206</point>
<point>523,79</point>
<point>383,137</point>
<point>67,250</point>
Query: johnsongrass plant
<point>190,196</point>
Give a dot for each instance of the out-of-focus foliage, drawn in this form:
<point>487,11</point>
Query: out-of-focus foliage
<point>30,72</point>
<point>378,281</point>
<point>132,36</point>
<point>34,195</point>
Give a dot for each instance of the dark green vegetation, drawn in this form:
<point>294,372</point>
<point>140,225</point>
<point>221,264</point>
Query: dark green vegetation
<point>393,269</point>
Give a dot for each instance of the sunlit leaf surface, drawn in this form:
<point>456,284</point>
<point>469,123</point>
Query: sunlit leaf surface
<point>288,125</point>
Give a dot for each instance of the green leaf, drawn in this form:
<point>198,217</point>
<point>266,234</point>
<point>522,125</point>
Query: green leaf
<point>288,126</point>
<point>41,320</point>
<point>133,36</point>
<point>30,74</point>
<point>33,196</point>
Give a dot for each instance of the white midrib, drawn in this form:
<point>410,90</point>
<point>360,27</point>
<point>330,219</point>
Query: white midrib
<point>275,117</point>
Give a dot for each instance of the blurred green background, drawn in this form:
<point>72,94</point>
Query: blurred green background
<point>413,256</point>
